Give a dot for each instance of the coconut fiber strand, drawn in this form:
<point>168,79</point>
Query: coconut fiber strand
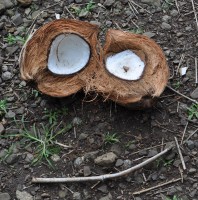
<point>34,57</point>
<point>141,92</point>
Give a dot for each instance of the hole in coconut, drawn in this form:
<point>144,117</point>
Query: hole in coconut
<point>125,65</point>
<point>69,53</point>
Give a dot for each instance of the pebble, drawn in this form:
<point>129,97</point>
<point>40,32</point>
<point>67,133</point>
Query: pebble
<point>119,162</point>
<point>108,197</point>
<point>55,157</point>
<point>106,159</point>
<point>115,148</point>
<point>2,8</point>
<point>23,195</point>
<point>10,114</point>
<point>156,3</point>
<point>76,121</point>
<point>192,170</point>
<point>190,144</point>
<point>166,26</point>
<point>152,153</point>
<point>17,19</point>
<point>166,18</point>
<point>62,193</point>
<point>11,159</point>
<point>103,189</point>
<point>149,34</point>
<point>77,196</point>
<point>4,196</point>
<point>109,3</point>
<point>194,94</point>
<point>6,76</point>
<point>127,164</point>
<point>2,129</point>
<point>78,1</point>
<point>20,110</point>
<point>86,171</point>
<point>29,157</point>
<point>25,2</point>
<point>78,161</point>
<point>3,153</point>
<point>174,13</point>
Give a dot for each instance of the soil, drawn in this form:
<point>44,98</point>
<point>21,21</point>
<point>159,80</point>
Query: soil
<point>138,134</point>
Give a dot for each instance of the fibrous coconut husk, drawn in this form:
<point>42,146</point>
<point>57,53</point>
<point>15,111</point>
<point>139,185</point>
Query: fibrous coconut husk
<point>140,93</point>
<point>34,57</point>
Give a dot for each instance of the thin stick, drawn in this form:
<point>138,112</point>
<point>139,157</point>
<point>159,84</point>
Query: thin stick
<point>176,3</point>
<point>190,135</point>
<point>194,101</point>
<point>157,186</point>
<point>196,81</point>
<point>63,145</point>
<point>101,177</point>
<point>180,154</point>
<point>69,12</point>
<point>184,133</point>
<point>140,7</point>
<point>180,62</point>
<point>193,5</point>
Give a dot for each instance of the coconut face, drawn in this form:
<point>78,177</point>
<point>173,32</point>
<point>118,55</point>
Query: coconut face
<point>69,53</point>
<point>125,65</point>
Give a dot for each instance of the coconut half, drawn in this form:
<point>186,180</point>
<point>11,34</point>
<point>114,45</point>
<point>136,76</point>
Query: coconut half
<point>125,65</point>
<point>61,47</point>
<point>69,53</point>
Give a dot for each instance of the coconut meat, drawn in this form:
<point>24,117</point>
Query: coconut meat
<point>125,65</point>
<point>69,53</point>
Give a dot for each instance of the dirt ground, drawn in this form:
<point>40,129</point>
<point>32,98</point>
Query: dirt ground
<point>88,127</point>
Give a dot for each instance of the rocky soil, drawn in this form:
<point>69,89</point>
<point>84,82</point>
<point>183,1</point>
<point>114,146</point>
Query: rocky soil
<point>96,137</point>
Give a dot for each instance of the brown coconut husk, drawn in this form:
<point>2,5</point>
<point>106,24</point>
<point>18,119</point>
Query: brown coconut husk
<point>34,57</point>
<point>140,93</point>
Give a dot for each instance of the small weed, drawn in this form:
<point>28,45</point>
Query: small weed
<point>3,107</point>
<point>111,138</point>
<point>12,39</point>
<point>137,30</point>
<point>129,143</point>
<point>165,163</point>
<point>35,93</point>
<point>173,198</point>
<point>193,111</point>
<point>177,85</point>
<point>53,115</point>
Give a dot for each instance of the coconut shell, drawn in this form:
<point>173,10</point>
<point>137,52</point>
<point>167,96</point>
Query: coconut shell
<point>34,57</point>
<point>140,93</point>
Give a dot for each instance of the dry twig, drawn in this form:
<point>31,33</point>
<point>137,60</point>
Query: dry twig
<point>101,177</point>
<point>180,154</point>
<point>196,81</point>
<point>184,133</point>
<point>194,101</point>
<point>157,186</point>
<point>193,5</point>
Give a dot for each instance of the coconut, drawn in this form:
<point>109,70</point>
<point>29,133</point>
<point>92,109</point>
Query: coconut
<point>60,56</point>
<point>133,70</point>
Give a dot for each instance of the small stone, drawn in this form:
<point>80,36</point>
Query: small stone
<point>77,196</point>
<point>4,196</point>
<point>190,144</point>
<point>156,3</point>
<point>2,8</point>
<point>76,121</point>
<point>143,153</point>
<point>109,3</point>
<point>127,164</point>
<point>12,49</point>
<point>166,26</point>
<point>20,111</point>
<point>83,136</point>
<point>152,153</point>
<point>103,189</point>
<point>138,198</point>
<point>116,149</point>
<point>2,129</point>
<point>29,157</point>
<point>106,159</point>
<point>149,34</point>
<point>22,84</point>
<point>172,191</point>
<point>23,195</point>
<point>192,170</point>
<point>166,18</point>
<point>55,157</point>
<point>108,197</point>
<point>11,159</point>
<point>62,193</point>
<point>86,171</point>
<point>179,34</point>
<point>174,13</point>
<point>10,114</point>
<point>78,161</point>
<point>119,162</point>
<point>78,1</point>
<point>17,19</point>
<point>194,94</point>
<point>6,76</point>
<point>3,153</point>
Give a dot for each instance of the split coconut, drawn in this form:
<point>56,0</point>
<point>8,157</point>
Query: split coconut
<point>59,56</point>
<point>133,71</point>
<point>62,57</point>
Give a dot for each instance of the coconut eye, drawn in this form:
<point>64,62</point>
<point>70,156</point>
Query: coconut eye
<point>69,53</point>
<point>125,65</point>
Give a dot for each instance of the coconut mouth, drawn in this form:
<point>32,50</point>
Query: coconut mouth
<point>69,53</point>
<point>125,65</point>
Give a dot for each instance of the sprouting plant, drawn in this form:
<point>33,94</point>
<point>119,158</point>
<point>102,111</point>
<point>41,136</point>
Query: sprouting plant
<point>167,163</point>
<point>193,111</point>
<point>163,162</point>
<point>35,93</point>
<point>173,198</point>
<point>44,140</point>
<point>137,30</point>
<point>177,85</point>
<point>3,107</point>
<point>90,6</point>
<point>111,138</point>
<point>52,115</point>
<point>12,39</point>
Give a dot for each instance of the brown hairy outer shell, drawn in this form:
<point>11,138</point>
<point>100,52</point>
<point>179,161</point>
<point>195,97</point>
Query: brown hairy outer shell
<point>34,57</point>
<point>153,80</point>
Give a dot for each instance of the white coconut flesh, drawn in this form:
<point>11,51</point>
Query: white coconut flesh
<point>125,65</point>
<point>69,53</point>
